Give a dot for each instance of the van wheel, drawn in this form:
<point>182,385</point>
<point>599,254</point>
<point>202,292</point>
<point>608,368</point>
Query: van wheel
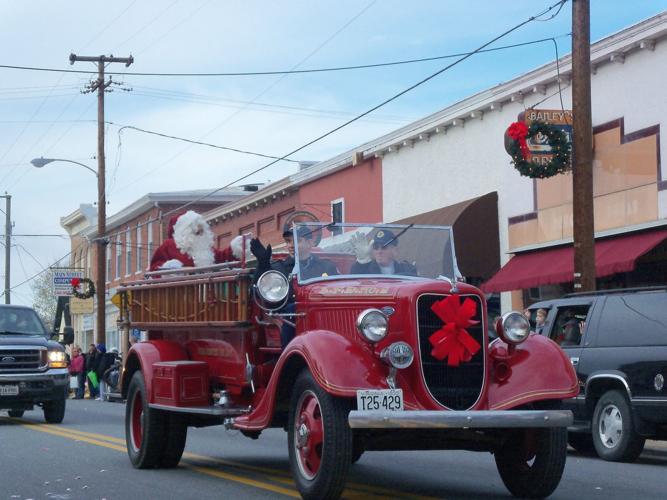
<point>614,435</point>
<point>320,440</point>
<point>581,441</point>
<point>145,428</point>
<point>531,461</point>
<point>54,411</point>
<point>15,413</point>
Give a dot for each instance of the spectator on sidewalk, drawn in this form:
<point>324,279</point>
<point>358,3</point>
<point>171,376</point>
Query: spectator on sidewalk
<point>92,361</point>
<point>76,369</point>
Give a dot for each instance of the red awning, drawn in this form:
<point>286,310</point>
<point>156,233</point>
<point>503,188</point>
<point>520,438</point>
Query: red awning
<point>556,265</point>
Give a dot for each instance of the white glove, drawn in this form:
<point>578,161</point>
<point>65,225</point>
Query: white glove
<point>361,247</point>
<point>237,243</point>
<point>172,264</point>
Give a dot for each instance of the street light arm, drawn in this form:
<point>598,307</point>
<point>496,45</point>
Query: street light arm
<point>41,162</point>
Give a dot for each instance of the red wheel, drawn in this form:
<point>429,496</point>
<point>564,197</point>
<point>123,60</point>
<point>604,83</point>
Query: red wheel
<point>309,435</point>
<point>154,438</point>
<point>320,440</point>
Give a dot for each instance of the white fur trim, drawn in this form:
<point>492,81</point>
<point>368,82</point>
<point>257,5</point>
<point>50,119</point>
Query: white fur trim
<point>172,264</point>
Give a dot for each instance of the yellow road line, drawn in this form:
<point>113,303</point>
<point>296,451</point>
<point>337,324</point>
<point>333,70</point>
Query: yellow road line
<point>275,475</point>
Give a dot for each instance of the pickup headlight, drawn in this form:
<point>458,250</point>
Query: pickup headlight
<point>57,359</point>
<point>272,287</point>
<point>513,327</point>
<point>372,324</point>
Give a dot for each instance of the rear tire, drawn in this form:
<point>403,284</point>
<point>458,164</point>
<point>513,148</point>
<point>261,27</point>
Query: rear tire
<point>149,444</point>
<point>54,411</point>
<point>531,462</point>
<point>613,430</point>
<point>177,433</point>
<point>15,413</point>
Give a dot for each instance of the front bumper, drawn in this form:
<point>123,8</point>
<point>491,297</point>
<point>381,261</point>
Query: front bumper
<point>483,419</point>
<point>35,387</point>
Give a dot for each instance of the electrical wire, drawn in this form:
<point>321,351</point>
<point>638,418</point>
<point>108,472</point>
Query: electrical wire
<point>383,103</point>
<point>291,71</point>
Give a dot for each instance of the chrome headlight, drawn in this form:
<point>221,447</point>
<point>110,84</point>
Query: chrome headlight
<point>372,324</point>
<point>513,327</point>
<point>57,359</point>
<point>399,355</point>
<point>272,286</point>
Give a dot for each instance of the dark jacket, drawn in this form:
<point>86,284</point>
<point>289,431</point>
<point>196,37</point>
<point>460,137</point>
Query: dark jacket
<point>404,268</point>
<point>314,267</point>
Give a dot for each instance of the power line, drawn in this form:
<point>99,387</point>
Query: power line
<point>383,103</point>
<point>296,71</point>
<point>191,141</point>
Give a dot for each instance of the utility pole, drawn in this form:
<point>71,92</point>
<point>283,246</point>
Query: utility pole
<point>100,85</point>
<point>582,150</point>
<point>8,244</point>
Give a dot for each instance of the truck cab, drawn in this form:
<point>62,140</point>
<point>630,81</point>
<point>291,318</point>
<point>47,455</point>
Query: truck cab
<point>386,354</point>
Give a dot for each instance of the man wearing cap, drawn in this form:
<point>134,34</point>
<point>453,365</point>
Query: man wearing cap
<point>310,266</point>
<point>379,256</point>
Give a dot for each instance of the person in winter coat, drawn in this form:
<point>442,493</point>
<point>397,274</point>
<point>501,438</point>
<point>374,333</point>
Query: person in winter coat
<point>76,369</point>
<point>92,360</point>
<point>190,244</point>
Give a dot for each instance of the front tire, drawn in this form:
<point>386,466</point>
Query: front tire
<point>531,461</point>
<point>54,411</point>
<point>614,435</point>
<point>154,438</point>
<point>320,440</point>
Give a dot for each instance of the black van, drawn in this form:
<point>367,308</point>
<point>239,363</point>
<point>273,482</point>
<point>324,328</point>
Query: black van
<point>617,342</point>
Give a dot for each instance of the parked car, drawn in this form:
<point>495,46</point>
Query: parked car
<point>617,342</point>
<point>396,361</point>
<point>33,368</point>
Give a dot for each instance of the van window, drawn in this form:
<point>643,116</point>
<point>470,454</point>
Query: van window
<point>638,319</point>
<point>570,325</point>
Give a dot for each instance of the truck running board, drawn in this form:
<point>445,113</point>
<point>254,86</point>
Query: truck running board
<point>214,411</point>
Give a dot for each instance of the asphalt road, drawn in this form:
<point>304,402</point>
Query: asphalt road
<point>85,458</point>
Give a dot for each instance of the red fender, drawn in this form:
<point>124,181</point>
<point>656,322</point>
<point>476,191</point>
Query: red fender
<point>153,351</point>
<point>356,367</point>
<point>537,370</point>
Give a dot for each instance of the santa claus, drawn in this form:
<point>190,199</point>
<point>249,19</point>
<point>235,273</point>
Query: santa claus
<point>190,244</point>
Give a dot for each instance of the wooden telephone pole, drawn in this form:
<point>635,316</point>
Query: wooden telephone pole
<point>583,219</point>
<point>100,85</point>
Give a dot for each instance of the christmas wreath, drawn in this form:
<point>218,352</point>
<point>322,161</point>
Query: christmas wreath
<point>88,287</point>
<point>561,149</point>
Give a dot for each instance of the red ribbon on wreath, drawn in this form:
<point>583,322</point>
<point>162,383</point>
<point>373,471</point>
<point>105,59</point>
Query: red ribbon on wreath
<point>452,341</point>
<point>518,131</point>
<point>76,282</point>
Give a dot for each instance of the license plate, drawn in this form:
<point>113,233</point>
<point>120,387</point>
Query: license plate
<point>380,400</point>
<point>9,390</point>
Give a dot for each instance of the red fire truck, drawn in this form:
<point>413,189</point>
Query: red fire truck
<point>392,354</point>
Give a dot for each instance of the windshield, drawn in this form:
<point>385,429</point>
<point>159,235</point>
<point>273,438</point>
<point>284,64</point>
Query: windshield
<point>333,250</point>
<point>20,321</point>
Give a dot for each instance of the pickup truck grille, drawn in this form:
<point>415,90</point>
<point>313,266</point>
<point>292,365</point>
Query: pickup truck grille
<point>456,387</point>
<point>14,359</point>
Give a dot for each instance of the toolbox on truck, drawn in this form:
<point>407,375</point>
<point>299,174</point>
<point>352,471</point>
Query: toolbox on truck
<point>181,383</point>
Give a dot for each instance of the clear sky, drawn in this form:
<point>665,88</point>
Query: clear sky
<point>45,114</point>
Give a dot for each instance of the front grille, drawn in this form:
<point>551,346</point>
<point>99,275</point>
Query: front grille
<point>456,387</point>
<point>21,360</point>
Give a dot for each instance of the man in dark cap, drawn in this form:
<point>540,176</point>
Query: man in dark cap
<point>380,255</point>
<point>310,266</point>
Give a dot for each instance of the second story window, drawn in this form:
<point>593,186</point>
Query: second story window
<point>149,243</point>
<point>139,249</point>
<point>128,251</point>
<point>119,255</point>
<point>337,214</point>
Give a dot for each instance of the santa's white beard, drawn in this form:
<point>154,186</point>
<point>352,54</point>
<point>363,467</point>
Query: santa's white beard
<point>198,246</point>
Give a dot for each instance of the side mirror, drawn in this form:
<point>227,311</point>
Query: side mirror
<point>65,338</point>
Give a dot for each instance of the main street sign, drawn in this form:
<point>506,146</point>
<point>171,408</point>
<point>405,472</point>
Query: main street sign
<point>62,280</point>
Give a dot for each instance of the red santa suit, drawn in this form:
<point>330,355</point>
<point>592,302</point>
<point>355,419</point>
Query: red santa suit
<point>190,244</point>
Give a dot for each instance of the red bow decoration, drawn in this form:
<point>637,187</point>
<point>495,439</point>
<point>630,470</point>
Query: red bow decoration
<point>452,341</point>
<point>76,282</point>
<point>519,131</point>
